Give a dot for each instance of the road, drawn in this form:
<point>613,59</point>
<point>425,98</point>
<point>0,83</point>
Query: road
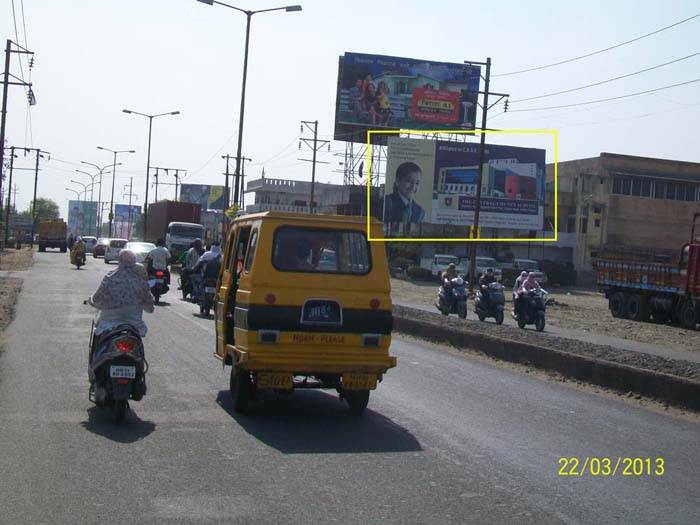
<point>446,439</point>
<point>578,335</point>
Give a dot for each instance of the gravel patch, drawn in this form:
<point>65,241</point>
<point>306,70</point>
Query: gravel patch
<point>674,367</point>
<point>9,291</point>
<point>16,260</point>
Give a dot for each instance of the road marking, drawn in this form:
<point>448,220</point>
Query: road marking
<point>191,319</point>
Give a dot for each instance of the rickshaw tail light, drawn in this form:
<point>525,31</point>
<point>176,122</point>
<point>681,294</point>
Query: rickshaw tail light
<point>270,298</point>
<point>374,303</point>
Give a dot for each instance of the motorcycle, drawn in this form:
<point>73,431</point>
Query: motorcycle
<point>158,285</point>
<point>78,259</point>
<point>490,303</point>
<point>185,283</point>
<point>207,301</point>
<point>117,369</point>
<point>530,308</point>
<point>452,297</point>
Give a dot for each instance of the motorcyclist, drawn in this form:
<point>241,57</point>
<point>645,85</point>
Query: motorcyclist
<point>193,255</point>
<point>451,272</point>
<point>518,283</point>
<point>78,249</point>
<point>486,278</point>
<point>214,254</point>
<point>528,285</point>
<point>158,260</point>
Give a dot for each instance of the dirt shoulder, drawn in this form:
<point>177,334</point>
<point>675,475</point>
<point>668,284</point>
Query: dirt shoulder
<point>586,311</point>
<point>10,287</point>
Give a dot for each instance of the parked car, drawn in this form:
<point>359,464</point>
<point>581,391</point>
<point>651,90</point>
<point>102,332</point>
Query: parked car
<point>90,243</point>
<point>115,246</point>
<point>439,263</point>
<point>100,247</point>
<point>529,265</point>
<point>481,264</point>
<point>140,249</point>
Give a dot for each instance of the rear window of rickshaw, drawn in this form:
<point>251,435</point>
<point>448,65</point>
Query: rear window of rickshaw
<point>321,251</point>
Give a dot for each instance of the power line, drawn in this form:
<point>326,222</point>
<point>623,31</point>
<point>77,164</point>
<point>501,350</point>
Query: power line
<point>607,99</point>
<point>606,81</point>
<point>537,68</point>
<point>214,155</point>
<point>633,117</point>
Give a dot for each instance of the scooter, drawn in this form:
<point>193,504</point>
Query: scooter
<point>491,303</point>
<point>117,369</point>
<point>78,260</point>
<point>530,308</point>
<point>185,283</point>
<point>452,297</point>
<point>207,301</point>
<point>157,283</point>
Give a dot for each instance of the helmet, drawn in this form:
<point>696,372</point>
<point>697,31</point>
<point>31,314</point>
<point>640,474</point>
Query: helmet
<point>489,270</point>
<point>451,266</point>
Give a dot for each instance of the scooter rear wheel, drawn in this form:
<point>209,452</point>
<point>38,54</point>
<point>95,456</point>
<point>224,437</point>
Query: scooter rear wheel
<point>499,317</point>
<point>539,321</point>
<point>119,410</point>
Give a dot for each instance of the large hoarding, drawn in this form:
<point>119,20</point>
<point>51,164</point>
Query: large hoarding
<point>82,217</point>
<point>435,182</point>
<point>384,92</point>
<point>125,217</point>
<point>207,196</point>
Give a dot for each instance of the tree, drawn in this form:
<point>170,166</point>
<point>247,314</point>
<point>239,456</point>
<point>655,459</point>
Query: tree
<point>45,209</point>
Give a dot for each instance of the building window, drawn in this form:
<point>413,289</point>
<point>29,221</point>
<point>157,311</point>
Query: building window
<point>636,187</point>
<point>571,224</point>
<point>626,186</point>
<point>596,223</point>
<point>617,186</point>
<point>659,190</point>
<point>689,192</point>
<point>646,188</point>
<point>596,209</point>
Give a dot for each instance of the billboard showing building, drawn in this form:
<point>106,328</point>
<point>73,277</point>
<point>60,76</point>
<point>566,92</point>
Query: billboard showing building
<point>207,196</point>
<point>82,217</point>
<point>435,182</point>
<point>376,91</point>
<point>125,217</point>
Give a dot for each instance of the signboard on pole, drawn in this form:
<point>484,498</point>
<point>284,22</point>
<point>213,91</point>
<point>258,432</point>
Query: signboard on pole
<point>384,92</point>
<point>82,217</point>
<point>435,182</point>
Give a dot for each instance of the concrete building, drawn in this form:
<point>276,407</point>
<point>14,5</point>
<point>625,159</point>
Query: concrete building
<point>294,195</point>
<point>626,201</point>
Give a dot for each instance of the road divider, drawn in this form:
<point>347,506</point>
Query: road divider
<point>678,391</point>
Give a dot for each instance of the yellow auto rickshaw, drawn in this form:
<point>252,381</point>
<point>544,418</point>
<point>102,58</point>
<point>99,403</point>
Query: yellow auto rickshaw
<point>303,301</point>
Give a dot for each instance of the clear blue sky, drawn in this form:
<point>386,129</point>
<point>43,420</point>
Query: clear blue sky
<point>95,58</point>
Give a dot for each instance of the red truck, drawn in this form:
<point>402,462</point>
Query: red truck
<point>640,284</point>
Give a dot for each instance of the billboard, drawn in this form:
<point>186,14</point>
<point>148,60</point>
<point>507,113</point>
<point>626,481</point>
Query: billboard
<point>376,91</point>
<point>82,217</point>
<point>207,196</point>
<point>121,219</point>
<point>435,182</point>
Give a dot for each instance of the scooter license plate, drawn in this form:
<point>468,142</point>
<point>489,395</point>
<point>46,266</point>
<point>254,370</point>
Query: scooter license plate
<point>359,381</point>
<point>210,289</point>
<point>278,381</point>
<point>117,371</point>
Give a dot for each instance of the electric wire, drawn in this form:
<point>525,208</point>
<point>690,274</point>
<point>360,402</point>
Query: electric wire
<point>605,81</point>
<point>569,60</point>
<point>607,99</point>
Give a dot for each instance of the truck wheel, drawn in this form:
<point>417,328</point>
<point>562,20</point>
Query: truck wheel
<point>63,249</point>
<point>687,315</point>
<point>659,316</point>
<point>357,400</point>
<point>618,304</point>
<point>637,308</point>
<point>241,389</point>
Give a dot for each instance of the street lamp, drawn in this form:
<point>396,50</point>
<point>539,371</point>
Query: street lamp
<point>148,157</point>
<point>114,174</point>
<point>85,186</point>
<point>99,196</point>
<point>249,14</point>
<point>92,178</point>
<point>77,193</point>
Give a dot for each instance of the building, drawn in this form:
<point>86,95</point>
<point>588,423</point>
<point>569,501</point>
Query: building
<point>294,195</point>
<point>624,200</point>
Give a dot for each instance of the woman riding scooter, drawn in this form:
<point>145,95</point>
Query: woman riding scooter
<point>77,253</point>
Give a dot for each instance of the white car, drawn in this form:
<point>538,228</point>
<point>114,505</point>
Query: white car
<point>115,246</point>
<point>140,249</point>
<point>90,243</point>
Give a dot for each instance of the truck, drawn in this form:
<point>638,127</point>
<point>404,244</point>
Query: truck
<point>640,284</point>
<point>178,223</point>
<point>53,234</point>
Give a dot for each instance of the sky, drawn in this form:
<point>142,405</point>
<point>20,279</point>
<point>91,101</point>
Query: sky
<point>93,59</point>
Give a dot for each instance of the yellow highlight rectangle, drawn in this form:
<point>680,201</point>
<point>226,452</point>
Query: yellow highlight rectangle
<point>555,136</point>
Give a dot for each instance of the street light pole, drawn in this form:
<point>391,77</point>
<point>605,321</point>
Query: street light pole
<point>249,15</point>
<point>114,176</point>
<point>148,157</point>
<point>99,196</point>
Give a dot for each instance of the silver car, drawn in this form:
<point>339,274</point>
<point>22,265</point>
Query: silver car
<point>115,246</point>
<point>140,249</point>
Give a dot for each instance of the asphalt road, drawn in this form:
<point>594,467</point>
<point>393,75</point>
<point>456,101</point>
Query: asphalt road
<point>446,439</point>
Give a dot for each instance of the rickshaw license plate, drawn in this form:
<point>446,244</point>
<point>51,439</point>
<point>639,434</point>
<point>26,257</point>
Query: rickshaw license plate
<point>209,289</point>
<point>359,381</point>
<point>117,371</point>
<point>279,381</point>
<point>321,312</point>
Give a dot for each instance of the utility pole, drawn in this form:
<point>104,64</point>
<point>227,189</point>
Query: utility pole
<point>315,147</point>
<point>36,181</point>
<point>155,177</point>
<point>9,192</point>
<point>482,147</point>
<point>176,174</point>
<point>6,83</point>
<point>130,194</point>
<point>242,195</point>
<point>224,207</point>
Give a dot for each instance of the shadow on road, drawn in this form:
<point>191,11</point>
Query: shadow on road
<point>317,422</point>
<point>133,429</point>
